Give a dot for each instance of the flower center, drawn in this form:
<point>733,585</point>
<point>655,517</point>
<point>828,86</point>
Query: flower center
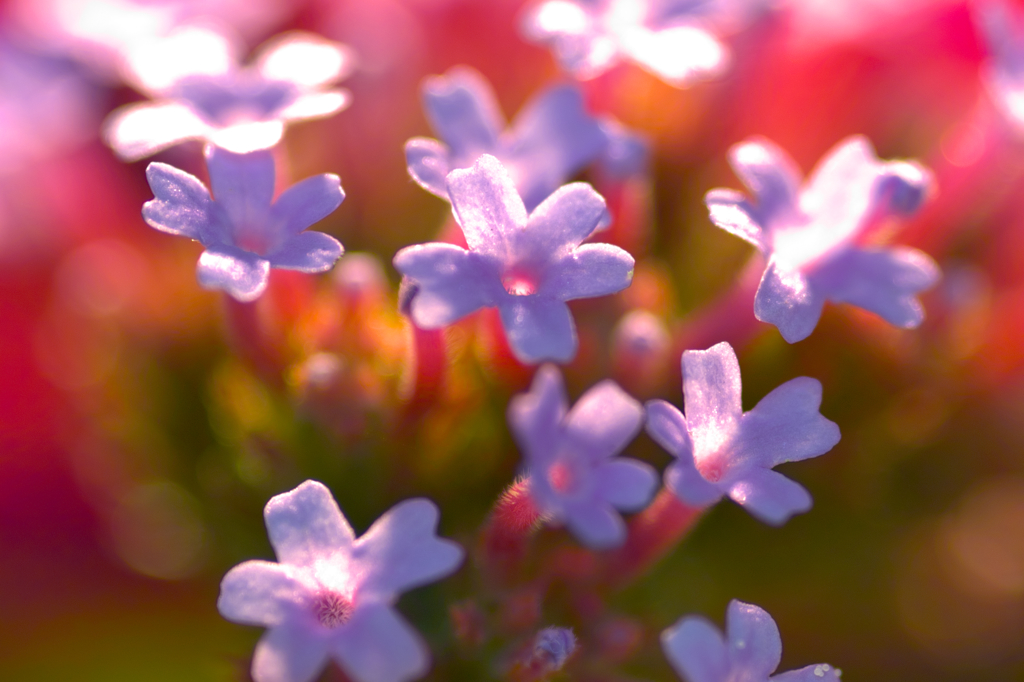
<point>711,468</point>
<point>332,609</point>
<point>519,285</point>
<point>561,478</point>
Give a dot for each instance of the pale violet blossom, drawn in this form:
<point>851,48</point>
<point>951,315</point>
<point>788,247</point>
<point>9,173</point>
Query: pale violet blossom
<point>527,265</point>
<point>721,450</point>
<point>244,229</point>
<point>813,236</point>
<point>201,92</point>
<point>552,138</point>
<point>331,595</point>
<point>575,477</point>
<point>750,651</point>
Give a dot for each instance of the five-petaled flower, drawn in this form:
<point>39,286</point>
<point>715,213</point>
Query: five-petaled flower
<point>750,651</point>
<point>574,476</point>
<point>673,39</point>
<point>331,594</point>
<point>813,237</point>
<point>241,109</point>
<point>244,231</point>
<point>552,138</point>
<point>527,266</point>
<point>721,450</point>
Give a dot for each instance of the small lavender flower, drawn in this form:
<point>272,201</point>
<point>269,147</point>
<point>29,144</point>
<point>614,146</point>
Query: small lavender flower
<point>554,646</point>
<point>552,138</point>
<point>750,651</point>
<point>241,109</point>
<point>811,236</point>
<point>673,39</point>
<point>527,266</point>
<point>574,476</point>
<point>1002,28</point>
<point>245,233</point>
<point>331,594</point>
<point>722,450</point>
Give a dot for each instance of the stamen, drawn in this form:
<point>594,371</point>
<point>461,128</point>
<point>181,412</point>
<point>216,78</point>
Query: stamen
<point>332,609</point>
<point>519,286</point>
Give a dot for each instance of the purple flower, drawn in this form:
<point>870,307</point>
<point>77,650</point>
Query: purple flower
<point>1002,28</point>
<point>673,39</point>
<point>202,93</point>
<point>244,232</point>
<point>722,450</point>
<point>527,266</point>
<point>550,141</point>
<point>699,653</point>
<point>810,236</point>
<point>574,476</point>
<point>331,595</point>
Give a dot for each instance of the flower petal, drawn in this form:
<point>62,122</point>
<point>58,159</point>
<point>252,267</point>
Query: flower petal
<point>787,300</point>
<point>307,252</point>
<point>562,222</point>
<point>882,281</point>
<point>316,105</point>
<point>288,654</point>
<point>138,130</point>
<point>463,111</point>
<point>771,175</point>
<point>427,162</point>
<point>755,646</point>
<point>377,645</point>
<point>732,212</point>
<point>786,426</point>
<point>552,138</point>
<point>243,184</point>
<point>603,421</point>
<point>401,551</point>
<point>307,202</point>
<point>592,270</point>
<point>626,484</point>
<point>452,282</point>
<point>487,206</point>
<point>711,395</point>
<point>240,273</point>
<point>697,651</point>
<point>840,190</point>
<point>182,205</point>
<point>538,329</point>
<point>625,153</point>
<point>305,59</point>
<point>259,593</point>
<point>536,417</point>
<point>305,524</point>
<point>770,496</point>
<point>667,426</point>
<point>595,524</point>
<point>679,55</point>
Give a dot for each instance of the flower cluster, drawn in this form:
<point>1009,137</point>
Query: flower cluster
<point>518,358</point>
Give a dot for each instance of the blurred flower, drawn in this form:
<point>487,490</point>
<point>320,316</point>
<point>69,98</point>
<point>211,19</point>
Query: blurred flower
<point>331,595</point>
<point>1002,28</point>
<point>527,266</point>
<point>722,450</point>
<point>699,653</point>
<point>810,235</point>
<point>673,39</point>
<point>202,93</point>
<point>243,232</point>
<point>552,138</point>
<point>574,476</point>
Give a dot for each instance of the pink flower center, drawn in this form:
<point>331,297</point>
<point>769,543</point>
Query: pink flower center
<point>711,468</point>
<point>561,477</point>
<point>519,285</point>
<point>332,609</point>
